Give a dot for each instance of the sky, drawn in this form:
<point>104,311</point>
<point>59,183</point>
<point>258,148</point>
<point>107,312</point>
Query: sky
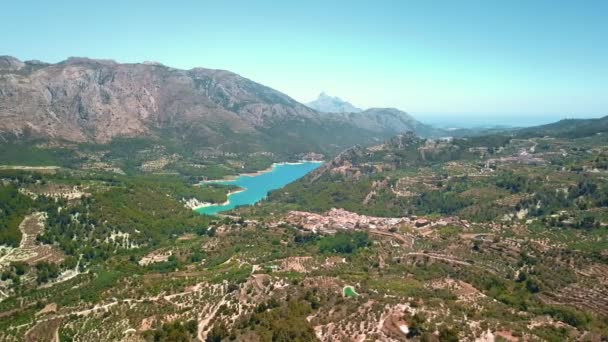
<point>442,61</point>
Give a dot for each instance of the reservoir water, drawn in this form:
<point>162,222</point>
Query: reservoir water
<point>256,187</point>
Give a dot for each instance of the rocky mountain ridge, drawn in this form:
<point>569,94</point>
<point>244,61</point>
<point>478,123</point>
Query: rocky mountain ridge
<point>95,101</point>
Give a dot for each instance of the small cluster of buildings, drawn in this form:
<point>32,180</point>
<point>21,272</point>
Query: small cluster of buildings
<point>339,219</point>
<point>65,192</point>
<point>523,157</point>
<point>154,257</point>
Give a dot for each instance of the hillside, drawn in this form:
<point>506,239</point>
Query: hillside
<point>469,177</point>
<point>484,238</point>
<point>391,121</point>
<point>568,128</point>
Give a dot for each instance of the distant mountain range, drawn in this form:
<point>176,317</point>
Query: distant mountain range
<point>568,128</point>
<point>379,120</point>
<point>86,100</point>
<point>331,104</point>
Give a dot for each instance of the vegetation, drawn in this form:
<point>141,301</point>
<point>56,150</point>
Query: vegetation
<point>510,242</point>
<point>343,243</point>
<point>463,185</point>
<point>13,207</point>
<point>283,323</point>
<point>176,331</point>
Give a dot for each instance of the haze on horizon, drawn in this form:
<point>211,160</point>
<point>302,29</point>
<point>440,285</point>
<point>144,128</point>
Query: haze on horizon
<point>439,60</point>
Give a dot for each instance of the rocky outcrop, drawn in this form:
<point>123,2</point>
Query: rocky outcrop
<point>401,141</point>
<point>353,163</point>
<point>343,159</point>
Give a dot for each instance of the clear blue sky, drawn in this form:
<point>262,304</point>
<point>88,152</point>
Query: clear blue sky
<point>483,58</point>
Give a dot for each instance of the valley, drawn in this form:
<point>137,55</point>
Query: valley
<point>140,202</point>
<point>290,171</point>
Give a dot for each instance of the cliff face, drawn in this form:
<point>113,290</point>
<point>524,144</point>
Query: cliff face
<point>96,100</point>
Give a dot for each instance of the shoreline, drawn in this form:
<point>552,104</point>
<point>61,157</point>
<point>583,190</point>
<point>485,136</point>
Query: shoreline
<point>257,173</point>
<point>210,204</point>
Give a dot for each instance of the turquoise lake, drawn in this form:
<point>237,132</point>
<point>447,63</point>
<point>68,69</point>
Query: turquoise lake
<point>256,187</point>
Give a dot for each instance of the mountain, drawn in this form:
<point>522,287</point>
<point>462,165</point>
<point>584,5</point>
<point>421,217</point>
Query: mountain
<point>417,239</point>
<point>331,104</point>
<point>10,63</point>
<point>390,121</point>
<point>494,157</point>
<point>86,100</point>
<point>568,128</point>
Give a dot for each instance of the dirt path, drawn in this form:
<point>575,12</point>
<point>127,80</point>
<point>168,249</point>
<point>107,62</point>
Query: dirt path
<point>23,167</point>
<point>203,324</point>
<point>197,288</point>
<point>44,331</point>
<point>397,236</point>
<point>441,257</point>
<point>29,227</point>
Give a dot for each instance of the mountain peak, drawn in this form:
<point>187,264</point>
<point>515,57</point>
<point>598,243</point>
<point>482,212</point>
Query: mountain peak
<point>10,63</point>
<point>332,104</point>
